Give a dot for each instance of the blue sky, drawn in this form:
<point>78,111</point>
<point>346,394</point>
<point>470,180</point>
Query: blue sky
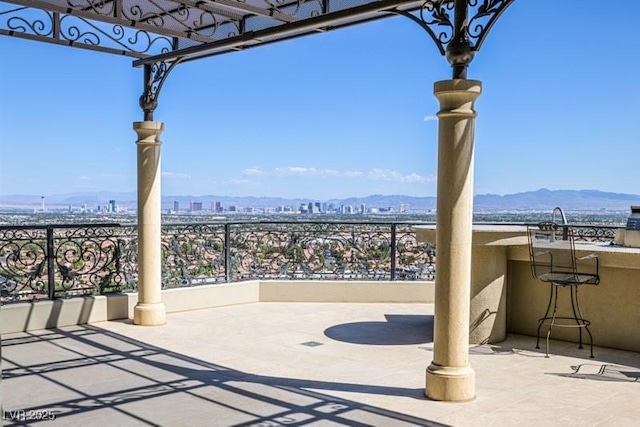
<point>346,113</point>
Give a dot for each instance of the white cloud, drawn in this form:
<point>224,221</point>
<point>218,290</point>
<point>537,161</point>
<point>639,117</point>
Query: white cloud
<point>175,175</point>
<point>252,171</point>
<point>101,176</point>
<point>430,118</point>
<point>373,174</point>
<point>293,170</point>
<point>329,172</point>
<point>296,170</point>
<point>395,176</point>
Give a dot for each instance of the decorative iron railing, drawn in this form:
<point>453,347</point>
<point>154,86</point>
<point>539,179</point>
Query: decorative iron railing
<point>595,233</point>
<point>57,261</point>
<point>47,262</point>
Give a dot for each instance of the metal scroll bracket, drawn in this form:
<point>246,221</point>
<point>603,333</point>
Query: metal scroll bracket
<point>155,75</point>
<point>458,27</point>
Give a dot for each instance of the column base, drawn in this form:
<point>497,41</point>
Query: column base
<point>450,384</point>
<point>149,314</point>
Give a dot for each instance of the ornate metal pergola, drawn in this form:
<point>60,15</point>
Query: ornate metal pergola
<point>160,34</point>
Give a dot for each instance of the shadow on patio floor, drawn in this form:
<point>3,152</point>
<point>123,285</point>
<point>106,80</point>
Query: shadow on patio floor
<point>398,329</point>
<point>90,375</point>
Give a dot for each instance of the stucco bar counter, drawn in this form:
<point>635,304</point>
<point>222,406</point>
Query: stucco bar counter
<point>506,298</point>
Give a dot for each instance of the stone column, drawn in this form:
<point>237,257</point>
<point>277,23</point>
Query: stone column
<point>149,310</point>
<point>450,377</point>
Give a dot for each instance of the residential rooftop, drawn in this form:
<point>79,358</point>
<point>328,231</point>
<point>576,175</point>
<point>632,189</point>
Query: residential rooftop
<point>291,363</point>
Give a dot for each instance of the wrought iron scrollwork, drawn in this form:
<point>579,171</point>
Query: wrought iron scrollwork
<point>192,254</point>
<point>415,260</point>
<point>27,21</point>
<point>99,7</point>
<point>344,251</point>
<point>45,25</point>
<point>458,27</point>
<point>76,29</point>
<point>604,234</point>
<point>154,77</point>
<point>75,261</point>
<point>23,264</point>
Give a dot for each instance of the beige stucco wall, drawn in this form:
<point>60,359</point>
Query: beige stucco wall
<point>516,303</point>
<point>613,306</point>
<point>346,291</point>
<point>66,312</point>
<point>63,312</point>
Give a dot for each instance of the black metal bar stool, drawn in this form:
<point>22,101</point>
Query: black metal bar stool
<point>553,260</point>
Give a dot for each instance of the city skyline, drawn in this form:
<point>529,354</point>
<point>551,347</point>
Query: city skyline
<point>347,113</point>
<point>582,200</point>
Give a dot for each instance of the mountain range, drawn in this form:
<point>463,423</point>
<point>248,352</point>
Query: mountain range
<point>541,199</point>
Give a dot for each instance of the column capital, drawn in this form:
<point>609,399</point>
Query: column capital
<point>148,131</point>
<point>457,97</point>
<point>462,85</point>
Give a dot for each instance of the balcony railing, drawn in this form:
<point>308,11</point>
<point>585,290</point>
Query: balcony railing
<point>59,261</point>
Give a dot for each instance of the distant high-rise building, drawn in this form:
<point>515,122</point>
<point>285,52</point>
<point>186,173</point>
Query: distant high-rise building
<point>346,209</point>
<point>404,208</point>
<point>363,208</point>
<point>216,206</point>
<point>176,206</point>
<point>113,208</point>
<point>195,206</point>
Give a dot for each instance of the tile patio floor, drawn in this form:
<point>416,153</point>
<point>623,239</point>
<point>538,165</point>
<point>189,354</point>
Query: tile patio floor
<point>273,364</point>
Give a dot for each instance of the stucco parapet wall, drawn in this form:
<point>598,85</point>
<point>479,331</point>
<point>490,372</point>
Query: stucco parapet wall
<point>482,235</point>
<point>346,291</point>
<point>38,315</point>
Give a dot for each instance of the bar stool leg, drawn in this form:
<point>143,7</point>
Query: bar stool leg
<point>553,317</point>
<point>546,315</point>
<point>581,321</point>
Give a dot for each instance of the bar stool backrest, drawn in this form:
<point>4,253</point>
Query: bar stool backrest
<point>553,256</point>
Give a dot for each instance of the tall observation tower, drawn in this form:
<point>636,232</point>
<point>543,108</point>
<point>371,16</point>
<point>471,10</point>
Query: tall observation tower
<point>42,198</point>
